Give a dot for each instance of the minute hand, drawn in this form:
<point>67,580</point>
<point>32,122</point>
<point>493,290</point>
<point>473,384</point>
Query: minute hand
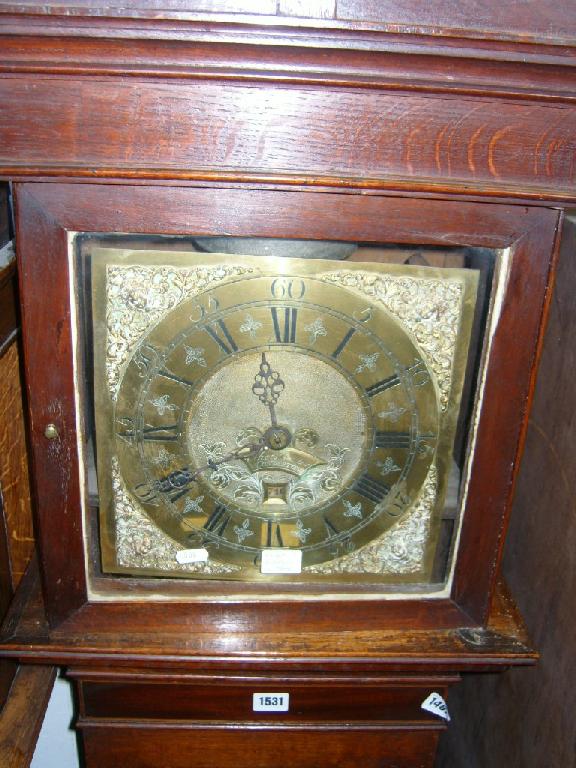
<point>268,387</point>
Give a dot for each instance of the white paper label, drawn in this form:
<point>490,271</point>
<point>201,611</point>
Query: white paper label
<point>436,704</point>
<point>270,702</point>
<point>281,561</point>
<point>192,556</point>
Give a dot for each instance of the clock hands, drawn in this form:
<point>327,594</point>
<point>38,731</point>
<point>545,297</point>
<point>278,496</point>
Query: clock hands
<point>268,387</point>
<point>244,452</point>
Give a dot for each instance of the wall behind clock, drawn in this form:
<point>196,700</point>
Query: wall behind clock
<point>525,717</point>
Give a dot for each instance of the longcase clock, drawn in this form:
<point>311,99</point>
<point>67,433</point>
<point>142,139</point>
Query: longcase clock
<point>283,290</point>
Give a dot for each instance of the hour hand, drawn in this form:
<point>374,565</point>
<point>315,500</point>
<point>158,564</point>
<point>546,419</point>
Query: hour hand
<point>268,386</point>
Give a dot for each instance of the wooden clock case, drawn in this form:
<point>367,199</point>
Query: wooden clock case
<point>329,125</point>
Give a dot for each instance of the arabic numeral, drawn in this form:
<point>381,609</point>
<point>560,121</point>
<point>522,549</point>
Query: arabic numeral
<point>282,288</point>
<point>419,373</point>
<point>212,305</point>
<point>145,359</point>
<point>270,702</point>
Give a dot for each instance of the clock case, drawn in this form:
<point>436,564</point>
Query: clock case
<point>48,214</point>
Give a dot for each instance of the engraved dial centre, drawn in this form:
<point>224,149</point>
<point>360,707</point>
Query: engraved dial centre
<point>314,448</point>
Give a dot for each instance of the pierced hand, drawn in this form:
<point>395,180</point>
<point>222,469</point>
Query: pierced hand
<point>244,452</point>
<point>268,387</point>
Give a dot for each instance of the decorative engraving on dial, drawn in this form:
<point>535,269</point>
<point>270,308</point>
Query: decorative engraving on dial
<point>250,326</point>
<point>274,392</point>
<point>141,544</point>
<point>285,464</point>
<point>195,355</point>
<point>429,308</point>
<point>315,330</point>
<point>140,295</point>
<point>401,550</point>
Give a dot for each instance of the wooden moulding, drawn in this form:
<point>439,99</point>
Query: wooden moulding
<point>195,130</point>
<point>219,97</point>
<point>531,21</point>
<point>26,636</point>
<point>46,212</point>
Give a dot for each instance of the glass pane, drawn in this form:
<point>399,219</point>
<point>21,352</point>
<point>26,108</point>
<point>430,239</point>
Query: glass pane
<point>262,410</point>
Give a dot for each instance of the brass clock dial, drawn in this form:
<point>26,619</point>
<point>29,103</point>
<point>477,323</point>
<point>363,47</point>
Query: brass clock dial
<point>250,405</point>
<point>275,412</point>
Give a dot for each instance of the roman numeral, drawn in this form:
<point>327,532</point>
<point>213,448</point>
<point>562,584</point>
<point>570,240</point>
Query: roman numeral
<point>176,484</point>
<point>382,386</point>
<point>343,343</point>
<point>273,535</point>
<point>285,330</point>
<point>169,375</point>
<point>392,440</point>
<point>371,489</point>
<point>165,434</point>
<point>218,520</point>
<point>129,432</point>
<point>226,344</point>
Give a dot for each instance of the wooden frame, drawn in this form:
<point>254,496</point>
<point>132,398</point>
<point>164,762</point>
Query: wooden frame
<point>47,212</point>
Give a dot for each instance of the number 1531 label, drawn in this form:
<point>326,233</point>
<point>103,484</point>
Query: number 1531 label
<point>270,702</point>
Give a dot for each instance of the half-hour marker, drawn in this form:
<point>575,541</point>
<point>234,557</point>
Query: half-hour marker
<point>371,489</point>
<point>343,343</point>
<point>218,520</point>
<point>392,439</point>
<point>226,344</point>
<point>383,385</point>
<point>174,377</point>
<point>285,324</point>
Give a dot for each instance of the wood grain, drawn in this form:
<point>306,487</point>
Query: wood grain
<point>14,480</point>
<point>185,747</point>
<point>296,131</point>
<point>4,217</point>
<point>518,20</point>
<point>311,701</point>
<point>27,636</point>
<point>22,716</point>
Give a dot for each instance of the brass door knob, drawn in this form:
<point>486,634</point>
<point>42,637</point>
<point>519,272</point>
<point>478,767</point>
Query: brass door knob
<point>51,432</point>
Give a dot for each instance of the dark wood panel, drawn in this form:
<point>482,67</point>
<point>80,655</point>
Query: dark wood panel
<point>509,387</point>
<point>4,216</point>
<point>148,747</point>
<point>329,701</point>
<point>48,401</point>
<point>303,132</point>
<point>281,213</point>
